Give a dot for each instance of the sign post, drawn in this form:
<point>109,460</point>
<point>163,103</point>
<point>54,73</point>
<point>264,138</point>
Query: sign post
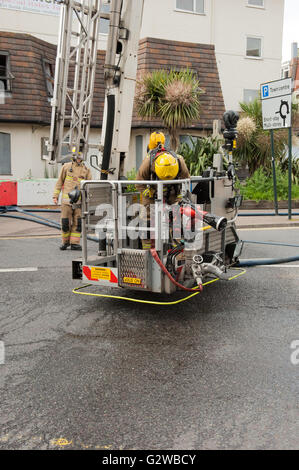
<point>277,114</point>
<point>274,172</point>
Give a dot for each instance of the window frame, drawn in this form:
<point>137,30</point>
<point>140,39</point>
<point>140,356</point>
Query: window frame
<point>100,32</point>
<point>192,12</point>
<point>252,36</point>
<point>9,76</point>
<point>250,90</point>
<point>261,7</point>
<point>48,77</point>
<point>10,165</point>
<point>44,151</point>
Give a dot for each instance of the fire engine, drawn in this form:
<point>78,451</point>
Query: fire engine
<point>114,257</point>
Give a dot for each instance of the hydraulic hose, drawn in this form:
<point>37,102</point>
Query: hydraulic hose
<point>108,137</point>
<point>177,284</point>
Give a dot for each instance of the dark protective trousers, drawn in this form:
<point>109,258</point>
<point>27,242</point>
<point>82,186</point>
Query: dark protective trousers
<point>70,224</point>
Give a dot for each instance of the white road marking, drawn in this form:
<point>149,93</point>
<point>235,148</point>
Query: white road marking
<point>30,236</point>
<point>13,270</point>
<point>266,228</point>
<point>278,266</point>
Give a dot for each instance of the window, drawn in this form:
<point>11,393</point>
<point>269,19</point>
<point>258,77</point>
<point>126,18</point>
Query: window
<point>187,139</point>
<point>6,76</point>
<point>44,151</point>
<point>250,95</point>
<point>254,47</point>
<point>5,154</point>
<point>104,24</point>
<point>256,3</point>
<point>49,76</point>
<point>2,93</point>
<point>194,6</point>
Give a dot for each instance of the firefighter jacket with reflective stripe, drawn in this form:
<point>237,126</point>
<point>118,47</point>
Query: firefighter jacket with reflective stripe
<point>147,170</point>
<point>70,177</point>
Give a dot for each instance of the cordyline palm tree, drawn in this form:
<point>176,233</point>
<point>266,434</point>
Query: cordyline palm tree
<point>172,96</point>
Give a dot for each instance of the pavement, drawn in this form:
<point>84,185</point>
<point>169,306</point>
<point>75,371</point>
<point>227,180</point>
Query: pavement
<point>14,227</point>
<point>11,227</point>
<point>267,221</point>
<point>220,372</point>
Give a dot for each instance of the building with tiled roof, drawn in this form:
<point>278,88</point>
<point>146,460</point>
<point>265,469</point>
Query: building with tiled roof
<point>233,47</point>
<point>26,110</point>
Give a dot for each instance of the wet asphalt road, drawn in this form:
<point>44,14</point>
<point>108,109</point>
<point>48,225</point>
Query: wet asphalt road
<point>211,373</point>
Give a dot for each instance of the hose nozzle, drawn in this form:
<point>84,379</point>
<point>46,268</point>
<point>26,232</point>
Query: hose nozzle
<point>218,223</point>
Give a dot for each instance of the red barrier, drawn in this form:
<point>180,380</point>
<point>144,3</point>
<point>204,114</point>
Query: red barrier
<point>8,193</point>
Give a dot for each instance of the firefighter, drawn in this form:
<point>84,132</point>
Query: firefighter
<point>70,177</point>
<point>160,164</point>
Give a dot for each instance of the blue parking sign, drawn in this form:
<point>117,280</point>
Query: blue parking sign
<point>265,91</point>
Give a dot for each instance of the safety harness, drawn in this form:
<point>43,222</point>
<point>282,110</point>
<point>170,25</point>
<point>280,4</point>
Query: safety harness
<point>154,154</point>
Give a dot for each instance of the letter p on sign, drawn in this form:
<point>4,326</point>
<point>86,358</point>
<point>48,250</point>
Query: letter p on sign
<point>2,353</point>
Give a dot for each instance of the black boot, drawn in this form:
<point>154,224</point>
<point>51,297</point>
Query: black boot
<point>76,247</point>
<point>64,246</point>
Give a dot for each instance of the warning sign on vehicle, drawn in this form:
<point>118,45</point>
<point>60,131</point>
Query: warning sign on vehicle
<point>131,280</point>
<point>100,273</point>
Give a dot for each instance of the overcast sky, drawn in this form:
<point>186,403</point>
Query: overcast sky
<point>291,27</point>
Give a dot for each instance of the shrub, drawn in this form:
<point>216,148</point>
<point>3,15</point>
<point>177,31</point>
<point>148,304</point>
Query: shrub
<point>260,186</point>
<point>131,175</point>
<point>199,155</point>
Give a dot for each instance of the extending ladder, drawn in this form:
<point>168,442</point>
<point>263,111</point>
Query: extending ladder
<point>75,70</point>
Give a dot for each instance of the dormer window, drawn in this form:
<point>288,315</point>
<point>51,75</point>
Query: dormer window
<point>49,73</point>
<point>6,76</point>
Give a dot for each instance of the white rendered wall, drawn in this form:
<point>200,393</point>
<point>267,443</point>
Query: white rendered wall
<point>225,23</point>
<point>26,154</point>
<point>232,25</point>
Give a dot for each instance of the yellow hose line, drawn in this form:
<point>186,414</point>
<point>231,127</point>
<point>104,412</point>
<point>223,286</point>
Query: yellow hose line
<point>77,289</point>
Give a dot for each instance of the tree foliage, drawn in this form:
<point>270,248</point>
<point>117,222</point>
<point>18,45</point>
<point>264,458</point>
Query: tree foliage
<point>172,96</point>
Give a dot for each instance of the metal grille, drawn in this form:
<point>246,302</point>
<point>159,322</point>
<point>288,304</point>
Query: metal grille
<point>96,195</point>
<point>230,236</point>
<point>133,266</point>
<point>215,241</point>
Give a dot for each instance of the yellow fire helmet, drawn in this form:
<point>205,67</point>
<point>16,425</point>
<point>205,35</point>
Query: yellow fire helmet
<point>166,166</point>
<point>156,138</point>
